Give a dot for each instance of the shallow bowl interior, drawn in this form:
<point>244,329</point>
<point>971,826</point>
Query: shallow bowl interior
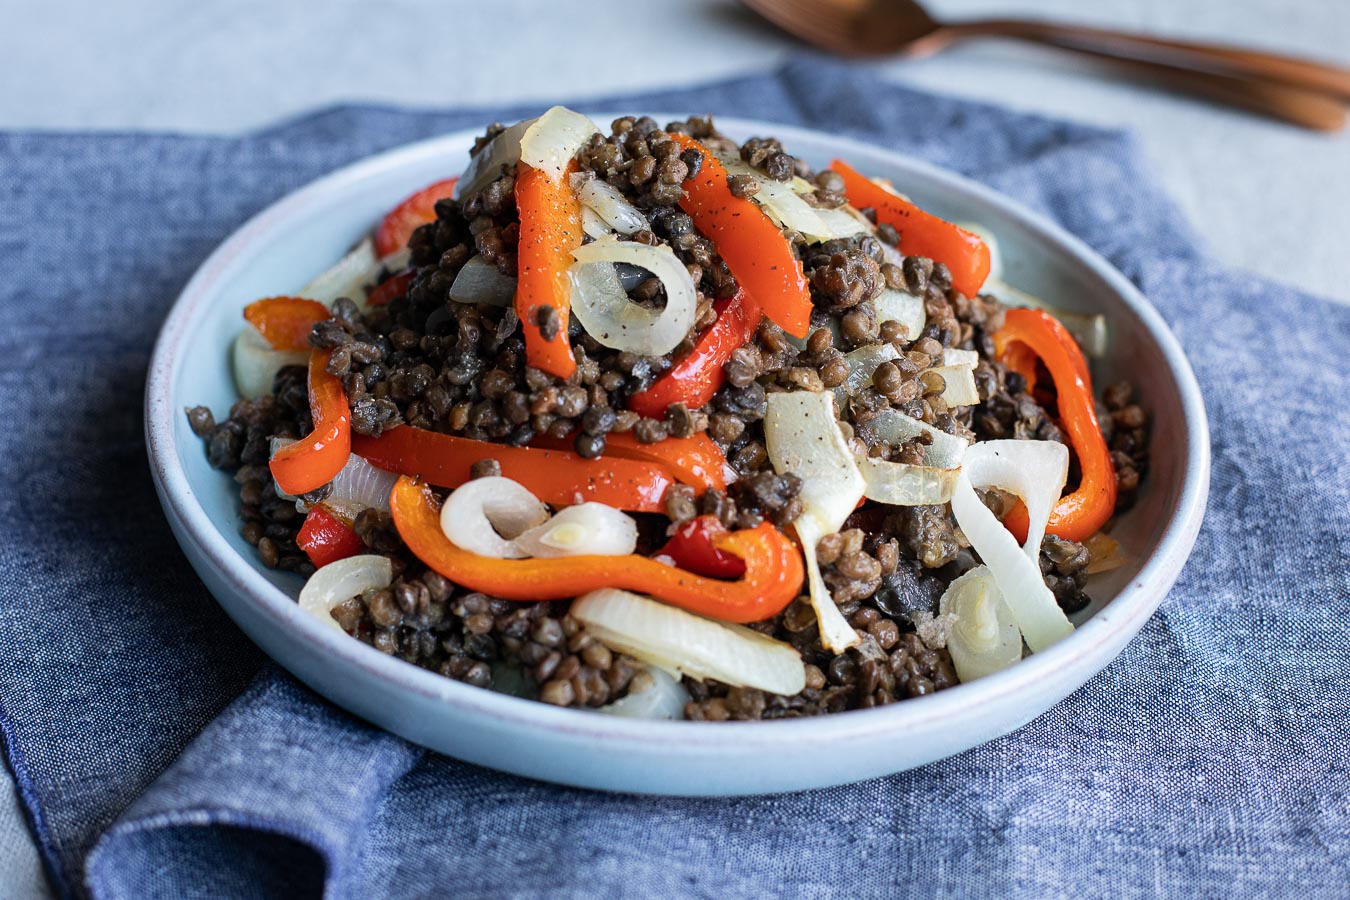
<point>282,247</point>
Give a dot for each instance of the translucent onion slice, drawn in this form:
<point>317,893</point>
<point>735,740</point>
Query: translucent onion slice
<point>351,275</point>
<point>363,485</point>
<point>343,580</point>
<point>554,139</point>
<point>893,427</point>
<point>1035,471</point>
<point>582,530</point>
<point>1104,554</point>
<point>802,436</point>
<point>664,698</point>
<point>485,515</point>
<point>782,204</point>
<point>900,484</point>
<point>960,389</point>
<point>862,365</point>
<point>593,225</point>
<point>844,221</point>
<point>485,166</point>
<point>902,307</point>
<point>604,309</point>
<point>479,281</point>
<point>983,638</point>
<point>679,641</point>
<point>958,372</point>
<point>256,363</point>
<point>605,200</point>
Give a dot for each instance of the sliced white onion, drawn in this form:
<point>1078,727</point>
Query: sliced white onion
<point>862,365</point>
<point>485,167</point>
<point>901,484</point>
<point>607,202</point>
<point>343,580</point>
<point>274,445</point>
<point>363,485</point>
<point>554,139</point>
<point>350,276</point>
<point>592,225</point>
<point>960,388</point>
<point>485,515</point>
<point>782,204</point>
<point>902,307</point>
<point>953,357</point>
<point>664,698</point>
<point>844,221</point>
<point>802,436</point>
<point>1035,471</point>
<point>587,529</point>
<point>604,309</point>
<point>256,363</point>
<point>683,642</point>
<point>479,281</point>
<point>944,452</point>
<point>983,638</point>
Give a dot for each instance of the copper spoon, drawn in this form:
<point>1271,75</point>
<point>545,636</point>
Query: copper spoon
<point>1283,87</point>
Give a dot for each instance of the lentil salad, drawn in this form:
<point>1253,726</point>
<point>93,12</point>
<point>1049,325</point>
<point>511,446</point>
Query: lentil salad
<point>448,339</point>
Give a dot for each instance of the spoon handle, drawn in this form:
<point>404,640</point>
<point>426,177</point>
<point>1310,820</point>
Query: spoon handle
<point>1212,58</point>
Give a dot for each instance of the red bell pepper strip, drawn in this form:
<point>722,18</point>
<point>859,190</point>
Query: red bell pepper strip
<point>696,460</point>
<point>772,579</point>
<point>315,460</point>
<point>285,322</point>
<point>921,233</point>
<point>390,289</point>
<point>1081,514</point>
<point>698,375</point>
<point>554,476</point>
<point>752,244</point>
<point>398,225</point>
<point>550,229</point>
<point>693,547</point>
<point>326,538</point>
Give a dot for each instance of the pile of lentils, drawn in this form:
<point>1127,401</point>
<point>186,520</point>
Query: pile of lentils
<point>460,369</point>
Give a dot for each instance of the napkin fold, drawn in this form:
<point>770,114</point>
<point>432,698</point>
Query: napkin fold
<point>157,755</point>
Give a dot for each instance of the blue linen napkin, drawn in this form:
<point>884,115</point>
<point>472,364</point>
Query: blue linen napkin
<point>158,756</point>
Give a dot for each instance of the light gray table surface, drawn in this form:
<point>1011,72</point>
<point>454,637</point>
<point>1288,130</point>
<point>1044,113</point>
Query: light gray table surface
<point>1267,197</point>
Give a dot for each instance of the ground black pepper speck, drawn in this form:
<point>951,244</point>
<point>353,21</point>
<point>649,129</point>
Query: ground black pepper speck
<point>460,369</point>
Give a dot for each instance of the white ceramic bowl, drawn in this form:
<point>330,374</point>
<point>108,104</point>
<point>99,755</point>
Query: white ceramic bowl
<point>282,247</point>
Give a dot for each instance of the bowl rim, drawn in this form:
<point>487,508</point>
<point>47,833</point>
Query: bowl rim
<point>1126,613</point>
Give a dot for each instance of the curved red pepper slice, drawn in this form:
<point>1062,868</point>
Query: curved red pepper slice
<point>752,244</point>
<point>921,233</point>
<point>326,538</point>
<point>772,579</point>
<point>693,546</point>
<point>550,229</point>
<point>315,459</point>
<point>696,460</point>
<point>554,476</point>
<point>698,375</point>
<point>398,225</point>
<point>1081,514</point>
<point>285,322</point>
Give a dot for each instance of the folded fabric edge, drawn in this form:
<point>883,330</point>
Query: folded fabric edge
<point>350,764</point>
<point>104,857</point>
<point>31,806</point>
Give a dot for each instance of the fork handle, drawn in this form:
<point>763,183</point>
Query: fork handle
<point>1215,59</point>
